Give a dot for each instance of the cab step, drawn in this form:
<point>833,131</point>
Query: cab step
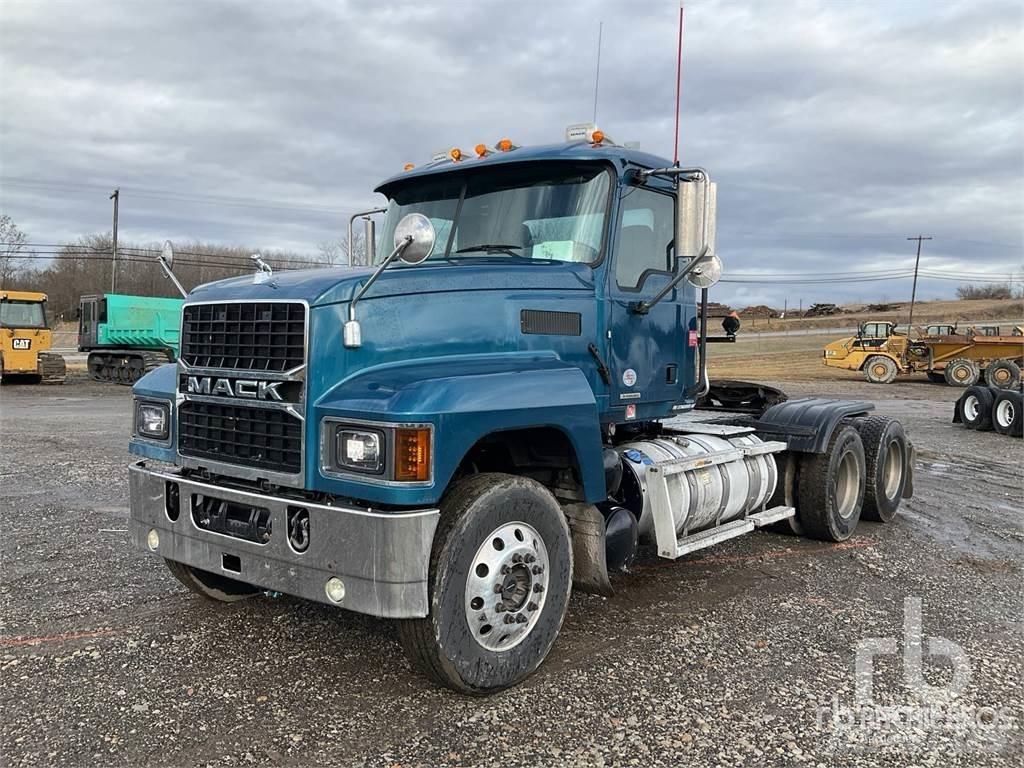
<point>730,530</point>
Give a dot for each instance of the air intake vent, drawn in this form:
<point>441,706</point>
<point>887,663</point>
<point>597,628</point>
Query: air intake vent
<point>547,322</point>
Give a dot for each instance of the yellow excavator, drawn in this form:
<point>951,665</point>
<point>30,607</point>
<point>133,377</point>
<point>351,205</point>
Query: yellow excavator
<point>959,359</point>
<point>25,340</point>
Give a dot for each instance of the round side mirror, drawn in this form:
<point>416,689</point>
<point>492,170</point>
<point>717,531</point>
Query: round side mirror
<point>167,254</point>
<point>418,227</point>
<point>707,273</point>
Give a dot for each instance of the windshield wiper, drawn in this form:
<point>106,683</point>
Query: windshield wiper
<point>492,248</point>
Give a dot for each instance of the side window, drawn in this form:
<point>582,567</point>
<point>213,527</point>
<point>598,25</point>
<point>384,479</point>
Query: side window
<point>646,232</point>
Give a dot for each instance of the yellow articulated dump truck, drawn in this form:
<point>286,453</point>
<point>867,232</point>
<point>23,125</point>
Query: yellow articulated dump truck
<point>25,340</point>
<point>959,359</point>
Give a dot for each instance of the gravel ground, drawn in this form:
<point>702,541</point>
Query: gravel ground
<point>737,654</point>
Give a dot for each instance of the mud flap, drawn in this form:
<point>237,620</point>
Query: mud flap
<point>908,486</point>
<point>590,568</point>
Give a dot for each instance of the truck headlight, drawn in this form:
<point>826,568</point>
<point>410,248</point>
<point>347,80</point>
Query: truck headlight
<point>152,420</point>
<point>360,449</point>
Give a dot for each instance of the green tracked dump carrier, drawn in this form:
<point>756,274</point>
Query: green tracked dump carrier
<point>127,336</point>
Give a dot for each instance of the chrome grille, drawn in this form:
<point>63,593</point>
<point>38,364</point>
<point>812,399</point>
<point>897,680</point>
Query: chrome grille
<point>241,384</point>
<point>251,336</point>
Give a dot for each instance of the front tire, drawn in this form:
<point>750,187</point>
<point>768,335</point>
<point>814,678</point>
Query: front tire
<point>500,578</point>
<point>879,369</point>
<point>831,487</point>
<point>212,586</point>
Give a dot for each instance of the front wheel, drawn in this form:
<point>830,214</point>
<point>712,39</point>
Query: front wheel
<point>880,369</point>
<point>212,586</point>
<point>500,577</point>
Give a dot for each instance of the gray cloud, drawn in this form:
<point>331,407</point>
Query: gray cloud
<point>835,129</point>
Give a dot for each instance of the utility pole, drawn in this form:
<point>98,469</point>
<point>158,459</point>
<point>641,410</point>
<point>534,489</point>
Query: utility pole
<point>913,291</point>
<point>115,195</point>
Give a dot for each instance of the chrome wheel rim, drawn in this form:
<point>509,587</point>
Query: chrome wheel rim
<point>506,586</point>
<point>847,485</point>
<point>892,472</point>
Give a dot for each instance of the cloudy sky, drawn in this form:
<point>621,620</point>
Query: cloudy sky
<point>835,128</point>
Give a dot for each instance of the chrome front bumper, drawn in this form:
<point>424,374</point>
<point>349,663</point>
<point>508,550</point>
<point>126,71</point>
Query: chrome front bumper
<point>381,557</point>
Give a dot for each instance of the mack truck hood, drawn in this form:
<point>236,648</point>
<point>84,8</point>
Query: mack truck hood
<point>338,284</point>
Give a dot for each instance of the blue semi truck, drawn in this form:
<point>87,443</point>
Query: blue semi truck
<point>505,405</point>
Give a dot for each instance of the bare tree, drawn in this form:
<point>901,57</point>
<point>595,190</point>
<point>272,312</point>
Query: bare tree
<point>12,250</point>
<point>335,252</point>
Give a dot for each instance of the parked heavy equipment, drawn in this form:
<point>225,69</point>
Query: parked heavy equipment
<point>986,408</point>
<point>959,359</point>
<point>128,336</point>
<point>26,340</point>
<point>496,410</point>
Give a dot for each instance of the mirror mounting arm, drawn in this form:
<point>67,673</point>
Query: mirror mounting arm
<point>643,307</point>
<point>352,331</point>
<point>174,278</point>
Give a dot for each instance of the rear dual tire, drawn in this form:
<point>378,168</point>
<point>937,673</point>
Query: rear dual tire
<point>831,487</point>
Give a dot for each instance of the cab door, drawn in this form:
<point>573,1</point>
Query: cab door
<point>647,353</point>
<point>87,318</point>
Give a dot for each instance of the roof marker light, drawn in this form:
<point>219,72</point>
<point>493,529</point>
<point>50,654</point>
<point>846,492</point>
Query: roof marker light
<point>455,154</point>
<point>505,145</point>
<point>587,132</point>
<point>481,150</point>
<point>408,166</point>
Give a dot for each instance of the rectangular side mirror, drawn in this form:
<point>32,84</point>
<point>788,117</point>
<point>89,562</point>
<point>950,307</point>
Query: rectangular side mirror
<point>696,214</point>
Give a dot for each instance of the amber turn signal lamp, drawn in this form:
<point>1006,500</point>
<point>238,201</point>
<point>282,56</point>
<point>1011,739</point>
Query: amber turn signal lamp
<point>412,454</point>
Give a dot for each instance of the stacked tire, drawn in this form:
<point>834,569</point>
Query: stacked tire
<point>986,409</point>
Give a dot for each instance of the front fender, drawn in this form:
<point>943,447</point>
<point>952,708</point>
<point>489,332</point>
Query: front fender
<point>466,399</point>
<point>159,384</point>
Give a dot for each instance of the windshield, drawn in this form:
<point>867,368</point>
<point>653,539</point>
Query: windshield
<point>540,212</point>
<point>22,314</point>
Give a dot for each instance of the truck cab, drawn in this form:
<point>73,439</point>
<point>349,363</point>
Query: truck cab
<point>481,418</point>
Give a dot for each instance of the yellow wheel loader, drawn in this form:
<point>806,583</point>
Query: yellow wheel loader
<point>959,359</point>
<point>25,340</point>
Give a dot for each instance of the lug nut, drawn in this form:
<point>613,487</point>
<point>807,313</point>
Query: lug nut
<point>500,607</point>
<point>498,587</point>
<point>506,570</point>
<point>537,570</point>
<point>538,588</point>
<point>510,619</point>
<point>520,619</point>
<point>517,558</point>
<point>529,558</point>
<point>532,606</point>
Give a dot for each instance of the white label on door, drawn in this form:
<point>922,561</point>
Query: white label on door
<point>629,377</point>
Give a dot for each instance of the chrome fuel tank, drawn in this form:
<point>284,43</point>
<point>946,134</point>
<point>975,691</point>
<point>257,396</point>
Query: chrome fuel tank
<point>704,496</point>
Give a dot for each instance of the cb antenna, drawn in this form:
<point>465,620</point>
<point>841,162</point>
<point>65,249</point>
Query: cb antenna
<point>679,81</point>
<point>597,73</point>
